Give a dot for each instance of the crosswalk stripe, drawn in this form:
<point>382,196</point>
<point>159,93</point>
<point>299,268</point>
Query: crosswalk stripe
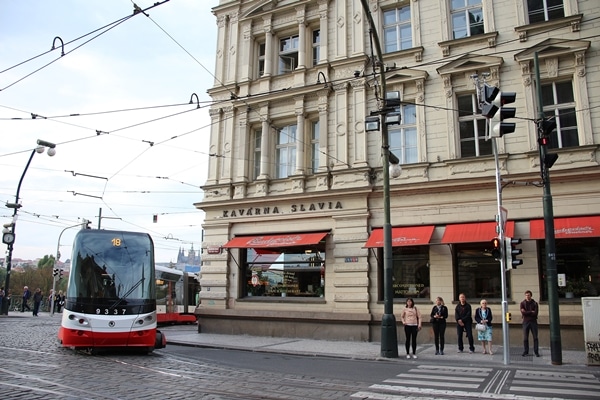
<point>592,385</point>
<point>429,382</point>
<point>553,391</point>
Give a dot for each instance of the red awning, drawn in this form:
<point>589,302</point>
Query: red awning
<point>403,236</point>
<point>565,228</point>
<point>475,232</point>
<point>262,242</point>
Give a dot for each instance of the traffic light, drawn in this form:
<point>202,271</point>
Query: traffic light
<point>512,252</point>
<point>545,128</point>
<point>55,272</point>
<point>498,127</point>
<point>496,248</point>
<point>60,273</point>
<point>489,109</point>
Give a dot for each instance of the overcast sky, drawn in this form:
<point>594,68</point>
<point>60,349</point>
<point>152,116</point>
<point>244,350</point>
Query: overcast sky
<point>136,149</point>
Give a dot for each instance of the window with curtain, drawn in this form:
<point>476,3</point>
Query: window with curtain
<point>316,46</point>
<point>467,18</point>
<point>261,59</point>
<point>285,151</point>
<point>397,29</point>
<point>403,137</point>
<point>472,128</point>
<point>256,153</point>
<point>558,102</point>
<point>314,147</point>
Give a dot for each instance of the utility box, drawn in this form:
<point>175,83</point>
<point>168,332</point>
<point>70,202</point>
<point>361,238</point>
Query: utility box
<point>591,328</point>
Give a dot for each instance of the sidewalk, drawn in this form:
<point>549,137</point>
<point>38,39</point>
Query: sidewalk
<point>188,336</point>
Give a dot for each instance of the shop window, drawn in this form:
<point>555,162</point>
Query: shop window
<point>285,150</point>
<point>288,54</point>
<point>472,128</point>
<point>467,18</point>
<point>559,103</point>
<point>579,261</point>
<point>292,272</point>
<point>477,274</point>
<point>397,29</point>
<point>410,272</point>
<point>314,147</point>
<point>403,137</point>
<point>544,10</point>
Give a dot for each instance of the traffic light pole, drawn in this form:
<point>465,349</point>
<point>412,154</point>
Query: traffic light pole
<point>501,235</point>
<point>550,245</point>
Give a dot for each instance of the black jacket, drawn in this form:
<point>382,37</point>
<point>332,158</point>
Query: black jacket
<point>443,314</point>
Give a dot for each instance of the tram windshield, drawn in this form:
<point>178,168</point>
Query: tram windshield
<point>111,267</point>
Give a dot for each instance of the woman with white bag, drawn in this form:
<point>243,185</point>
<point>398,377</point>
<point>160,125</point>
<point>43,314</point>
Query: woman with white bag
<point>483,318</point>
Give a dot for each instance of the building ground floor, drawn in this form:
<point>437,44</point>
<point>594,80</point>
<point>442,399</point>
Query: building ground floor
<point>312,265</point>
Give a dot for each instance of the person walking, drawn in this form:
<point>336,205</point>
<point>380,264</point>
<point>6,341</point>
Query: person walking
<point>59,301</point>
<point>411,319</point>
<point>463,315</point>
<point>483,315</point>
<point>439,313</point>
<point>26,296</point>
<point>37,301</point>
<point>529,313</point>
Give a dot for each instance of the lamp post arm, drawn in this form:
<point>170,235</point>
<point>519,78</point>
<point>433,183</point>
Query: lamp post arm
<point>55,278</point>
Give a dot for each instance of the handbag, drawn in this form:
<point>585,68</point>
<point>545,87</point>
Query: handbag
<point>481,327</point>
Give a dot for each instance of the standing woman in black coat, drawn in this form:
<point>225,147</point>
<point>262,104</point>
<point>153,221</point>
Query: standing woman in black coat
<point>439,313</point>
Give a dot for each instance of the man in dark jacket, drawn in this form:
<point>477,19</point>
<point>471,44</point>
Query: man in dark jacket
<point>529,312</point>
<point>26,296</point>
<point>464,323</point>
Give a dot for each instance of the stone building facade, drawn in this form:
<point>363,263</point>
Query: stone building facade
<point>294,202</point>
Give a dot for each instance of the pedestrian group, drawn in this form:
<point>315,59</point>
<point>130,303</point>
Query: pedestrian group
<point>464,317</point>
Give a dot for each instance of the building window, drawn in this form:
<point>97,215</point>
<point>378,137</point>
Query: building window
<point>314,147</point>
<point>477,274</point>
<point>467,18</point>
<point>410,272</point>
<point>472,128</point>
<point>316,46</point>
<point>397,29</point>
<point>288,54</point>
<point>285,150</point>
<point>403,138</point>
<point>256,153</point>
<point>579,261</point>
<point>558,102</point>
<point>261,59</point>
<point>280,272</point>
<point>544,10</point>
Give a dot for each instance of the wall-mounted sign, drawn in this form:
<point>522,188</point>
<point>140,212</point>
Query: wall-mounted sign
<point>275,210</point>
<point>351,259</point>
<point>213,249</point>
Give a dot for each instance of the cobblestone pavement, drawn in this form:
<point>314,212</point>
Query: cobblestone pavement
<point>36,367</point>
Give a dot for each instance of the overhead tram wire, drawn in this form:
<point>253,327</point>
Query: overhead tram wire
<point>103,30</point>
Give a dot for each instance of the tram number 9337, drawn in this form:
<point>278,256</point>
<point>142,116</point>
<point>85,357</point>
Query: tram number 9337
<point>108,311</point>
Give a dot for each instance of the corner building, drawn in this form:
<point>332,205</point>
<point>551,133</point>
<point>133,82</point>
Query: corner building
<point>294,195</point>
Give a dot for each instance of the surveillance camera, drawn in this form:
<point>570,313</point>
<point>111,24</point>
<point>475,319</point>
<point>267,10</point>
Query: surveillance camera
<point>356,74</point>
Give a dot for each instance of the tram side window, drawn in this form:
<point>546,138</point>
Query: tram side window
<point>292,272</point>
<point>579,261</point>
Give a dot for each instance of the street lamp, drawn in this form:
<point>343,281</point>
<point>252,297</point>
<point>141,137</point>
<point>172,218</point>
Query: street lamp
<point>8,236</point>
<point>389,339</point>
<point>56,277</point>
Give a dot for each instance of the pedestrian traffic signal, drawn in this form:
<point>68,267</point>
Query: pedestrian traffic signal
<point>545,128</point>
<point>512,252</point>
<point>496,248</point>
<point>55,272</point>
<point>498,127</point>
<point>60,273</point>
<point>489,109</point>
